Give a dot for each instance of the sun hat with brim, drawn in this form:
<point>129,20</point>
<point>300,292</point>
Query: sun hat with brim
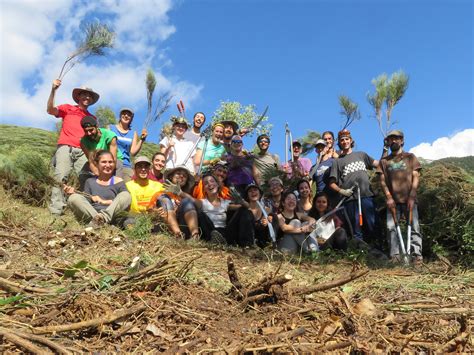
<point>75,94</point>
<point>179,120</point>
<point>275,179</point>
<point>141,159</point>
<point>189,184</point>
<point>396,133</point>
<point>250,186</point>
<point>127,109</point>
<point>234,124</point>
<point>320,142</point>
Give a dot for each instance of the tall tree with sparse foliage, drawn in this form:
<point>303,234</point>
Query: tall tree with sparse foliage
<point>105,116</point>
<point>245,116</point>
<point>388,92</point>
<point>349,109</point>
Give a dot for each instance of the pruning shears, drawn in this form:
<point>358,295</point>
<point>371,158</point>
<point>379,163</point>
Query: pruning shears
<point>393,211</point>
<point>181,108</point>
<point>269,225</point>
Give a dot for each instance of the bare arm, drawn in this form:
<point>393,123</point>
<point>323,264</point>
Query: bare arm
<point>90,158</point>
<point>390,201</point>
<point>137,142</point>
<point>197,157</point>
<point>113,148</point>
<point>51,109</point>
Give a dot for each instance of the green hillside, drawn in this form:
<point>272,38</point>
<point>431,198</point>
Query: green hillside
<point>41,141</point>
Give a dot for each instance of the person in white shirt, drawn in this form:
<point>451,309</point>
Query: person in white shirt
<point>177,148</point>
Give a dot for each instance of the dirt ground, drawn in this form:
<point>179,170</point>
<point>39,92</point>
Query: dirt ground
<point>66,290</point>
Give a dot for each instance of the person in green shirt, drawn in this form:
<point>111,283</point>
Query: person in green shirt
<point>96,138</point>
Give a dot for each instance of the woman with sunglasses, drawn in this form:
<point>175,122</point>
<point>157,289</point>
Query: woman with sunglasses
<point>241,165</point>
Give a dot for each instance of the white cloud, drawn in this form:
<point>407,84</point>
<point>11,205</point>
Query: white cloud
<point>459,145</point>
<point>36,38</point>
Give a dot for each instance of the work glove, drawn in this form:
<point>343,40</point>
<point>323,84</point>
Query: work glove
<point>346,192</point>
<point>172,188</point>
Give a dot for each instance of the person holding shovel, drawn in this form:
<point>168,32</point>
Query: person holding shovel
<point>177,148</point>
<point>69,154</point>
<point>399,174</point>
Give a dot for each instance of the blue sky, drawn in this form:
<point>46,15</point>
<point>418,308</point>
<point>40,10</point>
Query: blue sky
<point>295,56</point>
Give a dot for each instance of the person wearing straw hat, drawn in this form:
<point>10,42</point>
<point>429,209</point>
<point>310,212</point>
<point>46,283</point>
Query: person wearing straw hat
<point>181,214</point>
<point>399,174</point>
<point>176,148</point>
<point>69,154</point>
<point>128,141</point>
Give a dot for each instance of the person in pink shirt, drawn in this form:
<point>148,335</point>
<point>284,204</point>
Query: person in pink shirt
<point>69,154</point>
<point>299,167</point>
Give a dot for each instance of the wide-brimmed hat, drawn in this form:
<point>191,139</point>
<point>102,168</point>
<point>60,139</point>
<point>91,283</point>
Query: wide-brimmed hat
<point>252,185</point>
<point>127,109</point>
<point>76,91</point>
<point>179,120</point>
<point>189,184</point>
<point>234,124</point>
<point>142,159</point>
<point>320,142</point>
<point>396,133</point>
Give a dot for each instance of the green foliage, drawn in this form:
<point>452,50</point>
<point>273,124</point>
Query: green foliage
<point>105,116</point>
<point>446,208</point>
<point>349,109</point>
<point>388,92</point>
<point>307,141</point>
<point>245,116</point>
<point>141,230</point>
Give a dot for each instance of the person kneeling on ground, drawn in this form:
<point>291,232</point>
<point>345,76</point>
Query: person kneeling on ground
<point>142,189</point>
<point>328,232</point>
<point>213,216</point>
<point>181,214</point>
<point>104,196</point>
<point>294,228</point>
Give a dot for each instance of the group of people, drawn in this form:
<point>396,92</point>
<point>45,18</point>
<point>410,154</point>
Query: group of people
<point>205,185</point>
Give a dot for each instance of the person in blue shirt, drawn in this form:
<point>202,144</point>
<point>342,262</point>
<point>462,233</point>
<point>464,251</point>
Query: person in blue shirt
<point>128,141</point>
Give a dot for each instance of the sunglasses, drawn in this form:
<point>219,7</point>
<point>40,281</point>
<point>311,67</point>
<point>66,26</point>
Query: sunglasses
<point>264,141</point>
<point>237,142</point>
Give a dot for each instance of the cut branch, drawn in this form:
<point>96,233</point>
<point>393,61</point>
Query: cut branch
<point>90,323</point>
<point>328,285</point>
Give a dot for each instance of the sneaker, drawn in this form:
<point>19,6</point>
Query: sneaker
<point>98,221</point>
<point>217,238</point>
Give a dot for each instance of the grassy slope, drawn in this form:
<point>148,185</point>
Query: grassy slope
<point>41,141</point>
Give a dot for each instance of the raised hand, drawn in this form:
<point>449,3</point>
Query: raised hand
<point>172,188</point>
<point>236,197</point>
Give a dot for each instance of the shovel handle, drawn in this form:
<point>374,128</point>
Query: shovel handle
<point>361,220</point>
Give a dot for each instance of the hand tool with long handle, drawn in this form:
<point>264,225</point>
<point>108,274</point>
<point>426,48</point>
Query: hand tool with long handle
<point>410,221</point>
<point>400,237</point>
<point>270,226</point>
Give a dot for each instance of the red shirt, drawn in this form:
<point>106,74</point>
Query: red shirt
<point>71,130</point>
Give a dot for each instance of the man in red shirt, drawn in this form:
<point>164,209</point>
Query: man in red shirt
<point>69,153</point>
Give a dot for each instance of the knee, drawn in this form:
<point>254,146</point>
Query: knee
<point>165,202</point>
<point>75,200</point>
<point>187,205</point>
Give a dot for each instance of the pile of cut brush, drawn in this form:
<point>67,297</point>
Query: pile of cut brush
<point>66,290</point>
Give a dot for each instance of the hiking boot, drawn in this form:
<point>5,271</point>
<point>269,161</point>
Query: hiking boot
<point>217,238</point>
<point>417,261</point>
<point>395,259</point>
<point>98,221</point>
